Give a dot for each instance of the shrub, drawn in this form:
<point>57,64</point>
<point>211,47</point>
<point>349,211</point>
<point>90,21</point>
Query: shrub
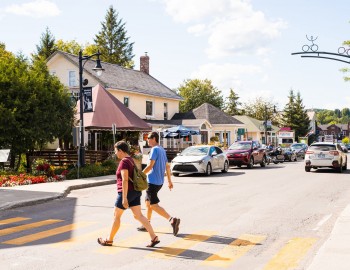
<point>91,170</point>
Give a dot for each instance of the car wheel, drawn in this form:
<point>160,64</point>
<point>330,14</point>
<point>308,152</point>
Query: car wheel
<point>251,163</point>
<point>263,162</point>
<point>340,169</point>
<point>345,167</point>
<point>208,170</point>
<point>307,169</point>
<point>296,158</point>
<point>176,174</point>
<point>225,167</point>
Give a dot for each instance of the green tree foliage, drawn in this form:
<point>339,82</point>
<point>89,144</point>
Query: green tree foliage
<point>72,47</point>
<point>46,45</point>
<point>301,118</point>
<point>346,43</point>
<point>232,104</point>
<point>113,42</point>
<point>261,109</point>
<point>295,116</point>
<point>34,105</point>
<point>196,92</point>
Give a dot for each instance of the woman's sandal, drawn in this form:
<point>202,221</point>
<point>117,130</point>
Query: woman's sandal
<point>104,242</point>
<point>154,242</point>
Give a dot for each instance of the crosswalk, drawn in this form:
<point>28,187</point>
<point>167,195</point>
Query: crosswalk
<point>18,231</point>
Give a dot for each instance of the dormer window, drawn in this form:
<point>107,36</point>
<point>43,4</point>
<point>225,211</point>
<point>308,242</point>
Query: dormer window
<point>72,82</point>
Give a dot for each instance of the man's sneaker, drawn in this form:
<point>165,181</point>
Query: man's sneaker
<point>141,229</point>
<point>175,223</point>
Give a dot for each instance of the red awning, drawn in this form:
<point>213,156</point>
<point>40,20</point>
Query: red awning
<point>108,110</point>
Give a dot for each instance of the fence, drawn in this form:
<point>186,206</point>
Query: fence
<point>66,157</point>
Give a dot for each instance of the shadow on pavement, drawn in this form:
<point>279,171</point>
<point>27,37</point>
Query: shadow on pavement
<point>39,224</point>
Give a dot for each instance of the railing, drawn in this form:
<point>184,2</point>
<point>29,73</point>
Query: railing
<point>66,157</point>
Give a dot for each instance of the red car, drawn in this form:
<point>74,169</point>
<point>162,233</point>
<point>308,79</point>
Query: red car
<point>246,153</point>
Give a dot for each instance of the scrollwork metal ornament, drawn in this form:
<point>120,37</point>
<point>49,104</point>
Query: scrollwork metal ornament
<point>313,47</point>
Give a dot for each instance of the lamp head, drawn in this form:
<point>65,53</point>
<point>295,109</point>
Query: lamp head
<point>98,68</point>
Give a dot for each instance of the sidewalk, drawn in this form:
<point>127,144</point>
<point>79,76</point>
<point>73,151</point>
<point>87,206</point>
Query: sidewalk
<point>12,197</point>
<point>335,252</point>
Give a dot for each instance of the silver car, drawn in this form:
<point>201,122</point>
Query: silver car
<point>324,154</point>
<point>200,159</point>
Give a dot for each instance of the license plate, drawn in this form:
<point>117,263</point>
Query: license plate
<point>321,155</point>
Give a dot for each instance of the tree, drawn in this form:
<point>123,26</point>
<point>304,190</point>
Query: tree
<point>301,118</point>
<point>196,92</point>
<point>295,116</point>
<point>260,109</point>
<point>232,104</point>
<point>113,42</point>
<point>72,47</point>
<point>46,46</point>
<point>34,106</point>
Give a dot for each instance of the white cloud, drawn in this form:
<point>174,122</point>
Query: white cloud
<point>225,76</point>
<point>36,9</point>
<point>232,26</point>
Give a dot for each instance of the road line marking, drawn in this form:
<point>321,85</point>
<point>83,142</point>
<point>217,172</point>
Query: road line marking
<point>28,226</point>
<point>321,222</point>
<point>181,245</point>
<point>122,245</point>
<point>66,244</point>
<point>45,234</point>
<point>290,255</point>
<point>232,252</point>
<point>12,220</point>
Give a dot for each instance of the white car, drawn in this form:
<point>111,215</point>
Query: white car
<point>200,159</point>
<point>325,154</point>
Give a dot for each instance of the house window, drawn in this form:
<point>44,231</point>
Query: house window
<point>71,78</point>
<point>149,108</point>
<point>165,111</point>
<point>53,72</point>
<point>126,102</point>
<point>203,126</point>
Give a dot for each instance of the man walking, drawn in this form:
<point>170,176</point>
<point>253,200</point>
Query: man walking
<point>155,170</point>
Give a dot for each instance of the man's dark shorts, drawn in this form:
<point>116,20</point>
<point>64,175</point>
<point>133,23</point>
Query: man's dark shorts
<point>152,193</point>
<point>134,199</point>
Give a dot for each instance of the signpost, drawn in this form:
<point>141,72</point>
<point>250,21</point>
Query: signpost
<point>114,130</point>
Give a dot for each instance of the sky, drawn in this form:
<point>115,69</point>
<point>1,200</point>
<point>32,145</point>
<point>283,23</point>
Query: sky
<point>244,45</point>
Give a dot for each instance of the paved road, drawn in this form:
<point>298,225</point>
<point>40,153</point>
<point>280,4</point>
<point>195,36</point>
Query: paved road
<point>264,218</point>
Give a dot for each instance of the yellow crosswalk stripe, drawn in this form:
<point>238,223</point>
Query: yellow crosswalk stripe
<point>12,220</point>
<point>290,255</point>
<point>45,234</point>
<point>28,226</point>
<point>90,236</point>
<point>135,240</point>
<point>181,245</point>
<point>232,252</point>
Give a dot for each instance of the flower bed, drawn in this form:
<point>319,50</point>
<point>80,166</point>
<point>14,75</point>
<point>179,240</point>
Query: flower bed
<point>24,179</point>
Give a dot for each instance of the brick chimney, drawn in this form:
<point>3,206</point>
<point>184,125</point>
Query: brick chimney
<point>144,63</point>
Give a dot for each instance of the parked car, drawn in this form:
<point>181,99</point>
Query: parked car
<point>289,154</point>
<point>246,153</point>
<point>325,154</point>
<point>345,149</point>
<point>200,159</point>
<point>300,149</point>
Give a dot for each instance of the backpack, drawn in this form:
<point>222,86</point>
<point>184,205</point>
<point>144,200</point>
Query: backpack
<point>139,179</point>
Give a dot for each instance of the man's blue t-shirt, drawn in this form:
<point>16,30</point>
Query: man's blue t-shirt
<point>156,176</point>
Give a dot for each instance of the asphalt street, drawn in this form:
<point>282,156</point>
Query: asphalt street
<point>264,218</point>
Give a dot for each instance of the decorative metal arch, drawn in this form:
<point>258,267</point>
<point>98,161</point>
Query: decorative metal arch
<point>311,51</point>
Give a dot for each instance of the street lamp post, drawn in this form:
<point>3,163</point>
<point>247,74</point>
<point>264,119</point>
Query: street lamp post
<point>98,68</point>
<point>265,121</point>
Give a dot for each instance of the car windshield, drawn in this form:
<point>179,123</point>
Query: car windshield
<point>322,147</point>
<point>240,146</point>
<point>297,146</point>
<point>195,151</point>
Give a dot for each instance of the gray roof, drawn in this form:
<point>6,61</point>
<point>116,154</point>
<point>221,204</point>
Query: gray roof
<point>120,78</point>
<point>209,112</point>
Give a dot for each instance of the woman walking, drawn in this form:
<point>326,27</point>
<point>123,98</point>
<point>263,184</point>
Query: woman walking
<point>127,197</point>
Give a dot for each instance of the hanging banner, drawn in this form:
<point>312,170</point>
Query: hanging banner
<point>88,105</point>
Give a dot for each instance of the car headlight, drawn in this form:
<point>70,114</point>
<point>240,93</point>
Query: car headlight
<point>244,154</point>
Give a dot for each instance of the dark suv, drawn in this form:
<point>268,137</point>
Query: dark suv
<point>246,153</point>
